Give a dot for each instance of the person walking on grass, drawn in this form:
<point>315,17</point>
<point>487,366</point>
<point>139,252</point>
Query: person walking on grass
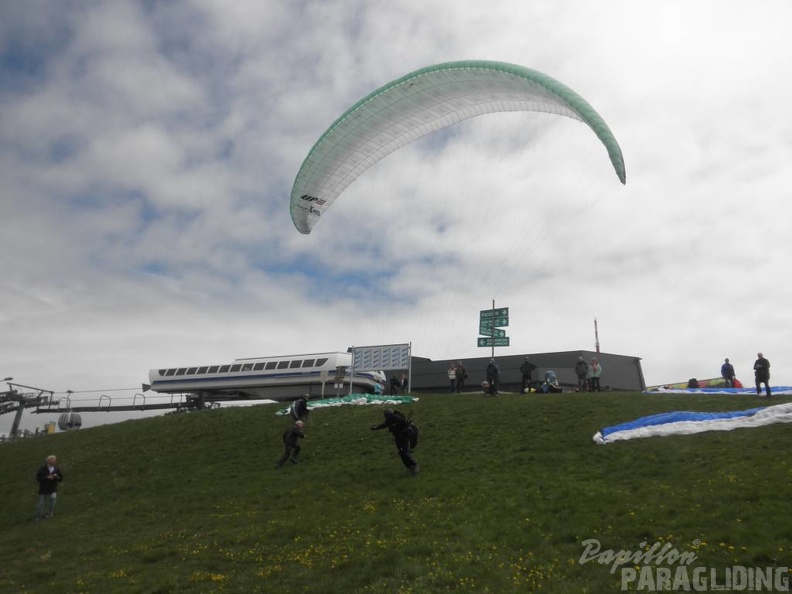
<point>399,427</point>
<point>48,477</point>
<point>291,444</point>
<point>762,374</point>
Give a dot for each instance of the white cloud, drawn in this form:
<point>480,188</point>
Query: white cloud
<point>148,151</point>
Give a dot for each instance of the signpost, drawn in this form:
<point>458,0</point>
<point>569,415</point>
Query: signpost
<point>490,323</point>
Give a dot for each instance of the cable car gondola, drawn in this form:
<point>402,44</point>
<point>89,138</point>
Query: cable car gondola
<point>69,421</point>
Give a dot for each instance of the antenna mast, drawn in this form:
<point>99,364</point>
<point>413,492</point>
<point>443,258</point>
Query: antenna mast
<point>596,336</point>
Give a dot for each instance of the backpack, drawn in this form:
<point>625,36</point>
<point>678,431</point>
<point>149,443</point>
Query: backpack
<point>408,427</point>
<point>412,431</point>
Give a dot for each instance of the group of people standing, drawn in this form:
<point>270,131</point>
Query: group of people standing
<point>588,374</point>
<point>457,374</point>
<point>761,374</point>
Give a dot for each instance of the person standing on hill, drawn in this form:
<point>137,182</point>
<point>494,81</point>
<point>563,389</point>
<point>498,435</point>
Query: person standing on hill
<point>493,375</point>
<point>727,373</point>
<point>461,376</point>
<point>452,376</point>
<point>291,444</point>
<point>48,477</point>
<point>581,370</point>
<point>394,385</point>
<point>526,369</point>
<point>399,427</point>
<point>762,374</point>
<point>595,371</point>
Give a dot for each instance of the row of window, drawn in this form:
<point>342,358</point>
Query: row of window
<point>260,366</point>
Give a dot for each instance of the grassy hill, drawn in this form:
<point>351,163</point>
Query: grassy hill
<point>510,488</point>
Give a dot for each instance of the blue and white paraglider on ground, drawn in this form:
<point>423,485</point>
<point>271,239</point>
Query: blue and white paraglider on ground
<point>686,423</point>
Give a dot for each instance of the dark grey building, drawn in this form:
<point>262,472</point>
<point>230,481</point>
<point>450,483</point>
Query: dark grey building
<point>619,372</point>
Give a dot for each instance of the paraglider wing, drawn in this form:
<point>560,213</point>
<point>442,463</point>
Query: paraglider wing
<point>687,423</point>
<point>420,103</point>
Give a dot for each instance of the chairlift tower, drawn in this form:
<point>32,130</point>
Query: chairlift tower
<point>35,398</point>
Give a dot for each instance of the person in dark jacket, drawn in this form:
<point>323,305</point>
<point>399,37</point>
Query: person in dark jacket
<point>461,376</point>
<point>493,376</point>
<point>48,477</point>
<point>727,373</point>
<point>299,409</point>
<point>762,374</point>
<point>581,370</point>
<point>398,425</point>
<point>526,369</point>
<point>291,444</point>
<point>394,385</point>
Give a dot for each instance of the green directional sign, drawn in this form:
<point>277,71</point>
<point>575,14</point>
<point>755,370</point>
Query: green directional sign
<point>493,342</point>
<point>492,332</point>
<point>499,312</point>
<point>497,322</point>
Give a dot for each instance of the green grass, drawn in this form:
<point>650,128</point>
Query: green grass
<point>510,488</point>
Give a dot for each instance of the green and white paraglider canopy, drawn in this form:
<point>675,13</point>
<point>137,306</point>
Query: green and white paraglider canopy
<point>418,104</point>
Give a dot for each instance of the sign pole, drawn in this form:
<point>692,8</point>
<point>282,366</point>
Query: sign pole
<point>492,332</point>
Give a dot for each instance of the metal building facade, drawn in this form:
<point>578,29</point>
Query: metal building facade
<point>619,372</point>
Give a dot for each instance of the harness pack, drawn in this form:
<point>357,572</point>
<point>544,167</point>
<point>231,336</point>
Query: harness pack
<point>406,425</point>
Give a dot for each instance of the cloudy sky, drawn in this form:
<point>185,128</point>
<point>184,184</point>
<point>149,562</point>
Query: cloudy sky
<point>148,149</point>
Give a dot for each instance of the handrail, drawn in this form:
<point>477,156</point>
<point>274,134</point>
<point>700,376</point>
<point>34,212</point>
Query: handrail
<point>109,401</point>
